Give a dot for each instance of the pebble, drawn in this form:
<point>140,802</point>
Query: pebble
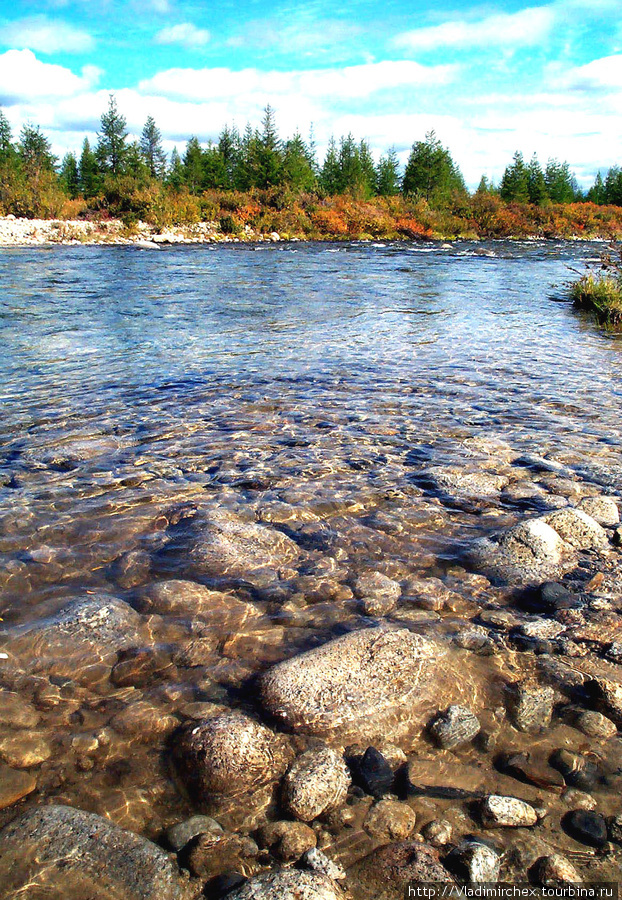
<point>390,820</point>
<point>614,829</point>
<point>556,869</point>
<point>476,860</point>
<point>586,826</point>
<point>552,596</point>
<point>17,712</point>
<point>316,782</point>
<point>287,884</point>
<point>14,785</point>
<point>228,755</point>
<point>177,836</point>
<point>438,832</point>
<point>594,724</point>
<point>578,799</point>
<point>23,750</point>
<point>317,861</point>
<point>507,812</point>
<point>455,727</point>
<point>211,855</point>
<point>530,707</point>
<point>387,871</point>
<point>377,585</point>
<point>373,773</point>
<point>609,697</point>
<point>603,510</point>
<point>578,771</point>
<point>287,841</point>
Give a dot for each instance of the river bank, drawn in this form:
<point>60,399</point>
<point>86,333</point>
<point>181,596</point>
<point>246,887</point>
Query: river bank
<point>220,217</point>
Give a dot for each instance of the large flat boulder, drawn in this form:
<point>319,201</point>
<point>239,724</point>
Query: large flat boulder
<point>219,544</point>
<point>87,632</point>
<point>369,683</point>
<point>57,853</point>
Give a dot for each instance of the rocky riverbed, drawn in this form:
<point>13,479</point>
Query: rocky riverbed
<point>302,634</point>
<point>32,232</point>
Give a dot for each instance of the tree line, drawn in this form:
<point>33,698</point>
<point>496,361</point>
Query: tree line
<point>118,173</point>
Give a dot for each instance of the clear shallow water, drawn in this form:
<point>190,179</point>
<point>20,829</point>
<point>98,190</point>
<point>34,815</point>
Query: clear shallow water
<point>304,386</point>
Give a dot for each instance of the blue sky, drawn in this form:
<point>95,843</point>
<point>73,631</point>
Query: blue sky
<point>490,78</point>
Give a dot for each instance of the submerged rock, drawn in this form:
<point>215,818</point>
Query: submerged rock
<point>507,812</point>
<point>475,862</point>
<point>586,826</point>
<point>219,543</point>
<point>456,726</point>
<point>315,783</point>
<point>66,853</point>
<point>390,820</point>
<point>385,873</point>
<point>287,841</point>
<point>176,597</point>
<point>530,707</point>
<point>365,682</point>
<point>14,785</point>
<point>578,529</point>
<point>287,884</point>
<point>555,869</point>
<point>86,632</point>
<point>372,772</point>
<point>526,553</point>
<point>603,510</point>
<point>229,755</point>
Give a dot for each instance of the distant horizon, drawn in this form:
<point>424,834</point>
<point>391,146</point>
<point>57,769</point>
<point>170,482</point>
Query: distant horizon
<point>489,80</point>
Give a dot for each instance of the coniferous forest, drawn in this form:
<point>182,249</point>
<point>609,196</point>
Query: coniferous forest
<point>255,181</point>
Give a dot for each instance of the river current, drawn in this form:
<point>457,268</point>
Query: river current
<point>341,394</point>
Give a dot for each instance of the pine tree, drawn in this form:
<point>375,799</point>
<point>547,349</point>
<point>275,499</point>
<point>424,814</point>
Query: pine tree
<point>151,146</point>
<point>193,166</point>
<point>175,173</point>
<point>111,146</point>
<point>561,184</point>
<point>596,193</point>
<point>88,171</point>
<point>69,177</point>
<point>298,165</point>
<point>514,185</point>
<point>431,172</point>
<point>269,152</point>
<point>536,185</point>
<point>388,174</point>
<point>330,175</point>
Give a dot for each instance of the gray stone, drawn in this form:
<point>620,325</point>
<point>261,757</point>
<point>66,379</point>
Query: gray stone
<point>578,529</point>
<point>229,755</point>
<point>385,873</point>
<point>368,683</point>
<point>603,510</point>
<point>556,869</point>
<point>219,543</point>
<point>475,860</point>
<point>530,707</point>
<point>594,724</point>
<point>507,812</point>
<point>287,884</point>
<point>317,782</point>
<point>527,553</point>
<point>614,829</point>
<point>438,832</point>
<point>69,853</point>
<point>177,836</point>
<point>86,632</point>
<point>317,861</point>
<point>457,726</point>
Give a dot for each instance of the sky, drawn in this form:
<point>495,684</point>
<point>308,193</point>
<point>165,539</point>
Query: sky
<point>489,78</point>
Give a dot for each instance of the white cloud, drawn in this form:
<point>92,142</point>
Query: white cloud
<point>46,36</point>
<point>599,75</point>
<point>346,83</point>
<point>520,29</point>
<point>24,77</point>
<point>185,34</point>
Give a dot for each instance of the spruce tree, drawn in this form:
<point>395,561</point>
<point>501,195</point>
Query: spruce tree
<point>151,147</point>
<point>514,185</point>
<point>7,150</point>
<point>269,152</point>
<point>613,186</point>
<point>388,174</point>
<point>175,173</point>
<point>35,152</point>
<point>536,185</point>
<point>298,165</point>
<point>329,175</point>
<point>431,172</point>
<point>596,193</point>
<point>69,177</point>
<point>88,171</point>
<point>112,137</point>
<point>193,166</point>
<point>561,184</point>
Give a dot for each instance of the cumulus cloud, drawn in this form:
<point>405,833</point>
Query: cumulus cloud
<point>24,77</point>
<point>524,28</point>
<point>345,83</point>
<point>185,34</point>
<point>602,74</point>
<point>46,36</point>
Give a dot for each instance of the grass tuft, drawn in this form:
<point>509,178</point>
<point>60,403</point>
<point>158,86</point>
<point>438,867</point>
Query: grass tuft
<point>600,291</point>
